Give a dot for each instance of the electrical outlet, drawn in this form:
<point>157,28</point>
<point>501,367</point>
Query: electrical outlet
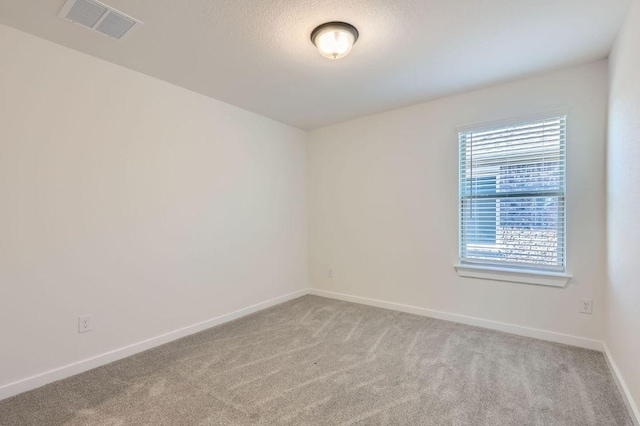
<point>586,306</point>
<point>330,273</point>
<point>84,323</point>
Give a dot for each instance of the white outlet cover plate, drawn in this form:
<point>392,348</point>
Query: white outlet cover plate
<point>586,306</point>
<point>84,323</point>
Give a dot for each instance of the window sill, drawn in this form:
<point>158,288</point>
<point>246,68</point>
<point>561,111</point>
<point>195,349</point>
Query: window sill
<point>553,279</point>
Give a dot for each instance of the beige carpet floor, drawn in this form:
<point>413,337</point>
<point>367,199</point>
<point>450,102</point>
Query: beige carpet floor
<point>316,361</point>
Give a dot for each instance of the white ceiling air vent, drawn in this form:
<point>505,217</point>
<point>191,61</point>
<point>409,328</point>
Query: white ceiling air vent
<point>99,17</point>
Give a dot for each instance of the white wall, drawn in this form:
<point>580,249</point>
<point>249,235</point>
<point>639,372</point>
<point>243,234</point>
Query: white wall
<point>384,209</point>
<point>622,333</point>
<point>147,205</point>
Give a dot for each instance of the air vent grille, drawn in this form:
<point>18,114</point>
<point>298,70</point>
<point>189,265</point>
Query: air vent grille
<point>115,25</point>
<point>99,17</point>
<point>86,13</point>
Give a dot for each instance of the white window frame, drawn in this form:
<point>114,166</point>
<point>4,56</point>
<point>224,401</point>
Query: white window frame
<point>516,274</point>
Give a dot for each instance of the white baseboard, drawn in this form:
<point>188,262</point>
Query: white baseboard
<point>68,370</point>
<point>622,386</point>
<point>551,336</point>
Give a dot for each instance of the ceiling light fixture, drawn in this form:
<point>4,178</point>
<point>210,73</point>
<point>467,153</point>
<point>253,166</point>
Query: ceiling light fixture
<point>334,40</point>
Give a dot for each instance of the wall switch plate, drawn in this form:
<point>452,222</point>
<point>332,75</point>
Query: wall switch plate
<point>586,306</point>
<point>84,323</point>
<point>330,273</point>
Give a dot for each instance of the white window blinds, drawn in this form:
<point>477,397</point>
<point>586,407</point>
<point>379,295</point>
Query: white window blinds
<point>512,195</point>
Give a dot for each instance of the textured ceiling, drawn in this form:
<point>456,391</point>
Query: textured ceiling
<point>256,54</point>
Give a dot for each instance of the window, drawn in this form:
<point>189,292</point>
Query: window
<point>512,195</point>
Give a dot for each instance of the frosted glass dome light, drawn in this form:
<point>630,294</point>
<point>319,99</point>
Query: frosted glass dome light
<point>334,40</point>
